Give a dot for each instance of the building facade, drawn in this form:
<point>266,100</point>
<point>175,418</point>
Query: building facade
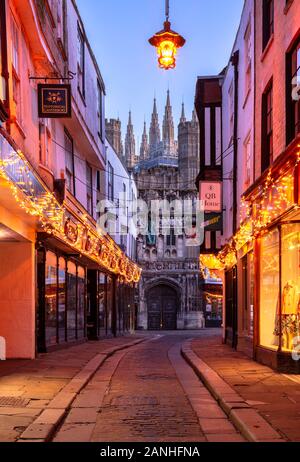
<point>208,103</point>
<point>169,290</point>
<point>118,205</point>
<point>54,264</point>
<point>259,260</point>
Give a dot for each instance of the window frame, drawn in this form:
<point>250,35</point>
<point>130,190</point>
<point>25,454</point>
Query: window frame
<point>267,140</point>
<point>68,137</point>
<point>80,61</point>
<point>100,110</point>
<point>291,103</point>
<point>89,189</point>
<point>110,182</point>
<point>267,22</point>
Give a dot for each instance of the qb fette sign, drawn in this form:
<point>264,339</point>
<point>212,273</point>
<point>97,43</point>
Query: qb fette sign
<point>211,196</point>
<point>54,100</point>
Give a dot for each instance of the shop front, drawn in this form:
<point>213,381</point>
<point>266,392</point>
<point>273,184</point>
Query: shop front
<point>279,296</point>
<point>274,203</point>
<point>58,273</point>
<point>261,269</point>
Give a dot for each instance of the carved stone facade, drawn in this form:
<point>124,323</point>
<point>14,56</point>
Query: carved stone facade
<point>169,291</point>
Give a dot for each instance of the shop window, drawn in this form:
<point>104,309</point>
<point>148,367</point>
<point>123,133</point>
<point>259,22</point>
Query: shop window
<point>290,286</point>
<point>269,289</point>
<point>102,304</point>
<point>81,303</point>
<point>293,92</point>
<point>214,308</point>
<point>251,294</point>
<point>71,301</point>
<point>51,299</point>
<point>245,291</point>
<point>109,301</point>
<point>62,300</point>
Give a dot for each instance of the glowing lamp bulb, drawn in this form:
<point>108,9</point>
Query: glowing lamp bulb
<point>167,43</point>
<point>166,55</point>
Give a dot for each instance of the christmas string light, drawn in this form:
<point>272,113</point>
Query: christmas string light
<point>60,222</point>
<point>274,196</point>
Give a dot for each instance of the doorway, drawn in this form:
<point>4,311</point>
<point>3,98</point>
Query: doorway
<point>162,308</point>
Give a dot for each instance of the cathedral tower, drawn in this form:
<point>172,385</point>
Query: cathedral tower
<point>113,135</point>
<point>188,149</point>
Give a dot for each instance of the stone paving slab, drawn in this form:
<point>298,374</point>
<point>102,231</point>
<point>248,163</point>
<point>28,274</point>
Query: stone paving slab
<point>49,382</point>
<point>212,419</point>
<point>274,397</point>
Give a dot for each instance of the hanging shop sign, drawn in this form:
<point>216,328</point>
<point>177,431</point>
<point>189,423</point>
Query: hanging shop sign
<point>213,222</point>
<point>211,196</point>
<point>54,101</point>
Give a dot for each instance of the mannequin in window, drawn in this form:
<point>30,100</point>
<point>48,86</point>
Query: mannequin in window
<point>290,314</point>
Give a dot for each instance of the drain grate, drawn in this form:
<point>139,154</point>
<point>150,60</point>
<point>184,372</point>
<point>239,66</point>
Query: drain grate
<point>11,401</point>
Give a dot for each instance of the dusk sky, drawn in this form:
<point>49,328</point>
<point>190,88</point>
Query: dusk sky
<point>118,31</point>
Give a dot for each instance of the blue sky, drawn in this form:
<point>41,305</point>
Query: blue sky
<point>118,31</point>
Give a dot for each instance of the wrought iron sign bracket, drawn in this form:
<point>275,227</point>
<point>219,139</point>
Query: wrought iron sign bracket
<point>71,76</point>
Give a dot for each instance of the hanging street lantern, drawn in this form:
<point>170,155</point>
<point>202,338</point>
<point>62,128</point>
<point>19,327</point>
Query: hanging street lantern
<point>167,43</point>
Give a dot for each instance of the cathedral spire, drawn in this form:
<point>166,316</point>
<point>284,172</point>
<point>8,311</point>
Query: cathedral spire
<point>144,145</point>
<point>182,118</point>
<point>168,124</point>
<point>154,132</point>
<point>130,155</point>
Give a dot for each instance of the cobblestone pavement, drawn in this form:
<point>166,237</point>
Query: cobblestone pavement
<point>26,387</point>
<point>145,401</point>
<point>275,396</point>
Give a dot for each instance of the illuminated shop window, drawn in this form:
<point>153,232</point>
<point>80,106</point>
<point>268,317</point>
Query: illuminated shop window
<point>51,299</point>
<point>290,285</point>
<point>269,289</point>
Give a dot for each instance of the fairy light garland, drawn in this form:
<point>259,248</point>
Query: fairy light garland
<point>275,196</point>
<point>60,222</point>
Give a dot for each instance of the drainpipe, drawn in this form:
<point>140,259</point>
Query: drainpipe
<point>235,62</point>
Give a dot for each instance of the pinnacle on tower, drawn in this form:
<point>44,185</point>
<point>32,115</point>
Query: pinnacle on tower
<point>154,132</point>
<point>182,118</point>
<point>130,155</point>
<point>144,145</point>
<point>168,123</point>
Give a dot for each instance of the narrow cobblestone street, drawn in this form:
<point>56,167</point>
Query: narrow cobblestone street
<point>148,394</point>
<point>150,387</point>
<point>145,401</point>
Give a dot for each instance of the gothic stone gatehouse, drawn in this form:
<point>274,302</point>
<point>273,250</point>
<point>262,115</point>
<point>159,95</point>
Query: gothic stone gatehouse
<point>169,292</point>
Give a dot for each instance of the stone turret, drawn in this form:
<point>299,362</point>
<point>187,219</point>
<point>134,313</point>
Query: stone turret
<point>154,132</point>
<point>130,153</point>
<point>144,149</point>
<point>188,150</point>
<point>168,123</point>
<point>114,135</point>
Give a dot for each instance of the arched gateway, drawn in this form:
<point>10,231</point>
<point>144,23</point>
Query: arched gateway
<point>163,305</point>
